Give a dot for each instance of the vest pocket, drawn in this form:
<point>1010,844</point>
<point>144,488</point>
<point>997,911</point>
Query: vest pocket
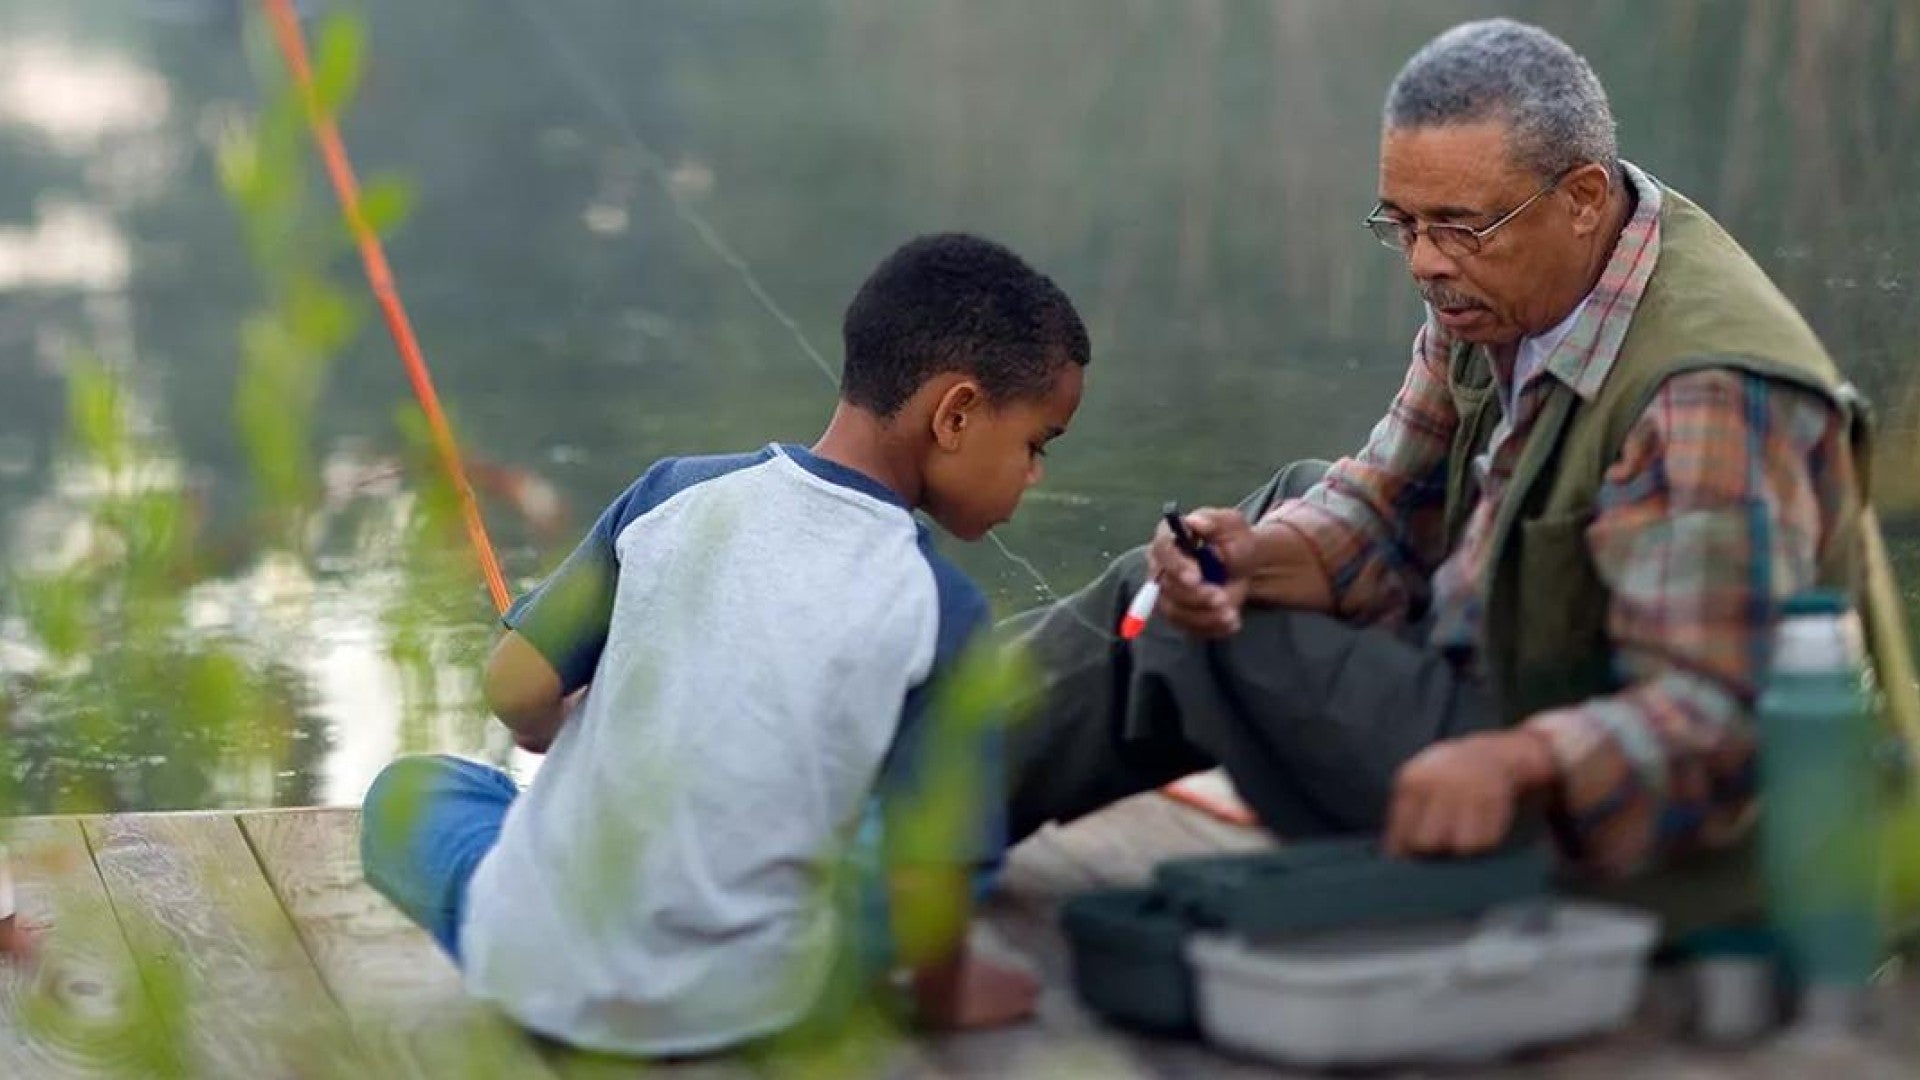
<point>1561,651</point>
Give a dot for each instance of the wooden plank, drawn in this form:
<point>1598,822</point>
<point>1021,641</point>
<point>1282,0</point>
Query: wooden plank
<point>399,991</point>
<point>77,1015</point>
<point>206,931</point>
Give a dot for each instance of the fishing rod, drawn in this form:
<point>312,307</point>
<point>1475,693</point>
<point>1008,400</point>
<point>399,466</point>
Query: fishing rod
<point>333,152</point>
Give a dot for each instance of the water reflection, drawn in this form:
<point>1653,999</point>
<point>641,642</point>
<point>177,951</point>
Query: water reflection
<point>1191,170</point>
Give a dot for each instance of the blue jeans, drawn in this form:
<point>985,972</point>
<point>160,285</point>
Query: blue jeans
<point>426,823</point>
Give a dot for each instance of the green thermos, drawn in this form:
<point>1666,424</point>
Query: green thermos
<point>1819,819</point>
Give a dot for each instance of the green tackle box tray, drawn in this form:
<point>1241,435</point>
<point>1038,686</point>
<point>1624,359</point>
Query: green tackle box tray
<point>1337,884</point>
<point>1129,950</point>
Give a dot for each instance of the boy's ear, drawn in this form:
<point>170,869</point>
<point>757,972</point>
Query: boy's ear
<point>956,407</point>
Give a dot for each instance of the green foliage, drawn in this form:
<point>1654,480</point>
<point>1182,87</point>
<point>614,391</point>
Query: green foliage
<point>385,202</point>
<point>338,56</point>
<point>294,238</point>
<point>132,705</point>
<point>434,610</point>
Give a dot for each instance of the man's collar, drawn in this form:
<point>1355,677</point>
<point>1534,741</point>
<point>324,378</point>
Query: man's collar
<point>1585,356</point>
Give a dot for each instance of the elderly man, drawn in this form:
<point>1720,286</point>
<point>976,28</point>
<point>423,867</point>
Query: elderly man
<point>1547,581</point>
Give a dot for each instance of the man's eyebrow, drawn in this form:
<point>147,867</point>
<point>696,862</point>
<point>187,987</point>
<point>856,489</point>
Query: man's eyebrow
<point>1438,213</point>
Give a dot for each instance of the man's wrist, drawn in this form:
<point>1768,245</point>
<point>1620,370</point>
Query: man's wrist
<point>1287,568</point>
<point>1530,758</point>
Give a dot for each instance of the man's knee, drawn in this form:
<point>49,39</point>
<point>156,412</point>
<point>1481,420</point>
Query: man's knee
<point>1088,619</point>
<point>1291,482</point>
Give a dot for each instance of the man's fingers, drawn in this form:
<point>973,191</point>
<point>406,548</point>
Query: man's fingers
<point>1215,523</point>
<point>1169,563</point>
<point>1496,822</point>
<point>1400,819</point>
<point>1432,831</point>
<point>1473,829</point>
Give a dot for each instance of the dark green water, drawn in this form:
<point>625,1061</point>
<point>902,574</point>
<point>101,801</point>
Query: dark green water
<point>593,175</point>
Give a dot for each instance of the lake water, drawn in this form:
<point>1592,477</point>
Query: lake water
<point>636,225</point>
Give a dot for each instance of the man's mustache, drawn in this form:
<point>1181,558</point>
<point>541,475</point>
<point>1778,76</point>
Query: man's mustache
<point>1446,298</point>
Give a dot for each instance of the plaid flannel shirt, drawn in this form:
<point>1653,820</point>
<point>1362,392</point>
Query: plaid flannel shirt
<point>1713,514</point>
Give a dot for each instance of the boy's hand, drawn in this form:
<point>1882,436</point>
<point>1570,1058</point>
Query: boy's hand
<point>978,994</point>
<point>1188,600</point>
<point>538,738</point>
<point>532,743</point>
<point>1458,796</point>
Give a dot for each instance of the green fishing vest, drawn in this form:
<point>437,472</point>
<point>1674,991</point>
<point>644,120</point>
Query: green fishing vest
<point>1544,640</point>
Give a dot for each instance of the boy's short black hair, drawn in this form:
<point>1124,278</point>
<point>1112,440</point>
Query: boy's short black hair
<point>954,302</point>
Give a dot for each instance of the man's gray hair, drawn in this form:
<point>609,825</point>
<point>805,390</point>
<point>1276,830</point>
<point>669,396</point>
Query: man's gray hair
<point>1499,69</point>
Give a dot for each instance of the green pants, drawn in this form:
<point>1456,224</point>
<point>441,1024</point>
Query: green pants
<point>1310,716</point>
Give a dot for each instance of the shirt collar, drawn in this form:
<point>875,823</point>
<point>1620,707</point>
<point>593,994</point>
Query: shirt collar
<point>1535,350</point>
<point>1584,356</point>
<point>835,473</point>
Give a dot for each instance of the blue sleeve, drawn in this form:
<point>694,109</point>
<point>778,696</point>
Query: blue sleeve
<point>565,618</point>
<point>932,737</point>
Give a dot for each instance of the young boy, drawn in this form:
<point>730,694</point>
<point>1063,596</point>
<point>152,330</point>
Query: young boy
<point>725,674</point>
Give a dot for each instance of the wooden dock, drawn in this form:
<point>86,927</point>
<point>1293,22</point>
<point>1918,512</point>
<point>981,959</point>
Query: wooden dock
<point>246,945</point>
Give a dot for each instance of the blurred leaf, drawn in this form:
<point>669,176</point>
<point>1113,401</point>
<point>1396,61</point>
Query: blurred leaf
<point>385,202</point>
<point>59,612</point>
<point>273,405</point>
<point>337,57</point>
<point>154,531</point>
<point>94,407</point>
<point>237,154</point>
<point>319,316</point>
<point>1902,855</point>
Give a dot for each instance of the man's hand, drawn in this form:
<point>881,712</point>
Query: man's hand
<point>1188,600</point>
<point>1458,796</point>
<point>975,994</point>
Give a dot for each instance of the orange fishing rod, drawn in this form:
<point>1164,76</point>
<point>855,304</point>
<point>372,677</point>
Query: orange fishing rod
<point>333,152</point>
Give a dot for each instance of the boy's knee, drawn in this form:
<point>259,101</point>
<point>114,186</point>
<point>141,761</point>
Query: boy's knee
<point>395,801</point>
<point>401,782</point>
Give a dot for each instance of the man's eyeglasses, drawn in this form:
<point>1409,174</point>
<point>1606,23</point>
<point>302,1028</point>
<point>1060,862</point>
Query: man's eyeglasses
<point>1453,241</point>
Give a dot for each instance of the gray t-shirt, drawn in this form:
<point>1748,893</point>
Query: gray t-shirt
<point>759,632</point>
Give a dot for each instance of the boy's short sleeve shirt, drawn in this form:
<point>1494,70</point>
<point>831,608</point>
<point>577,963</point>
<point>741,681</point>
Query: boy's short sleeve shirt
<point>760,636</point>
